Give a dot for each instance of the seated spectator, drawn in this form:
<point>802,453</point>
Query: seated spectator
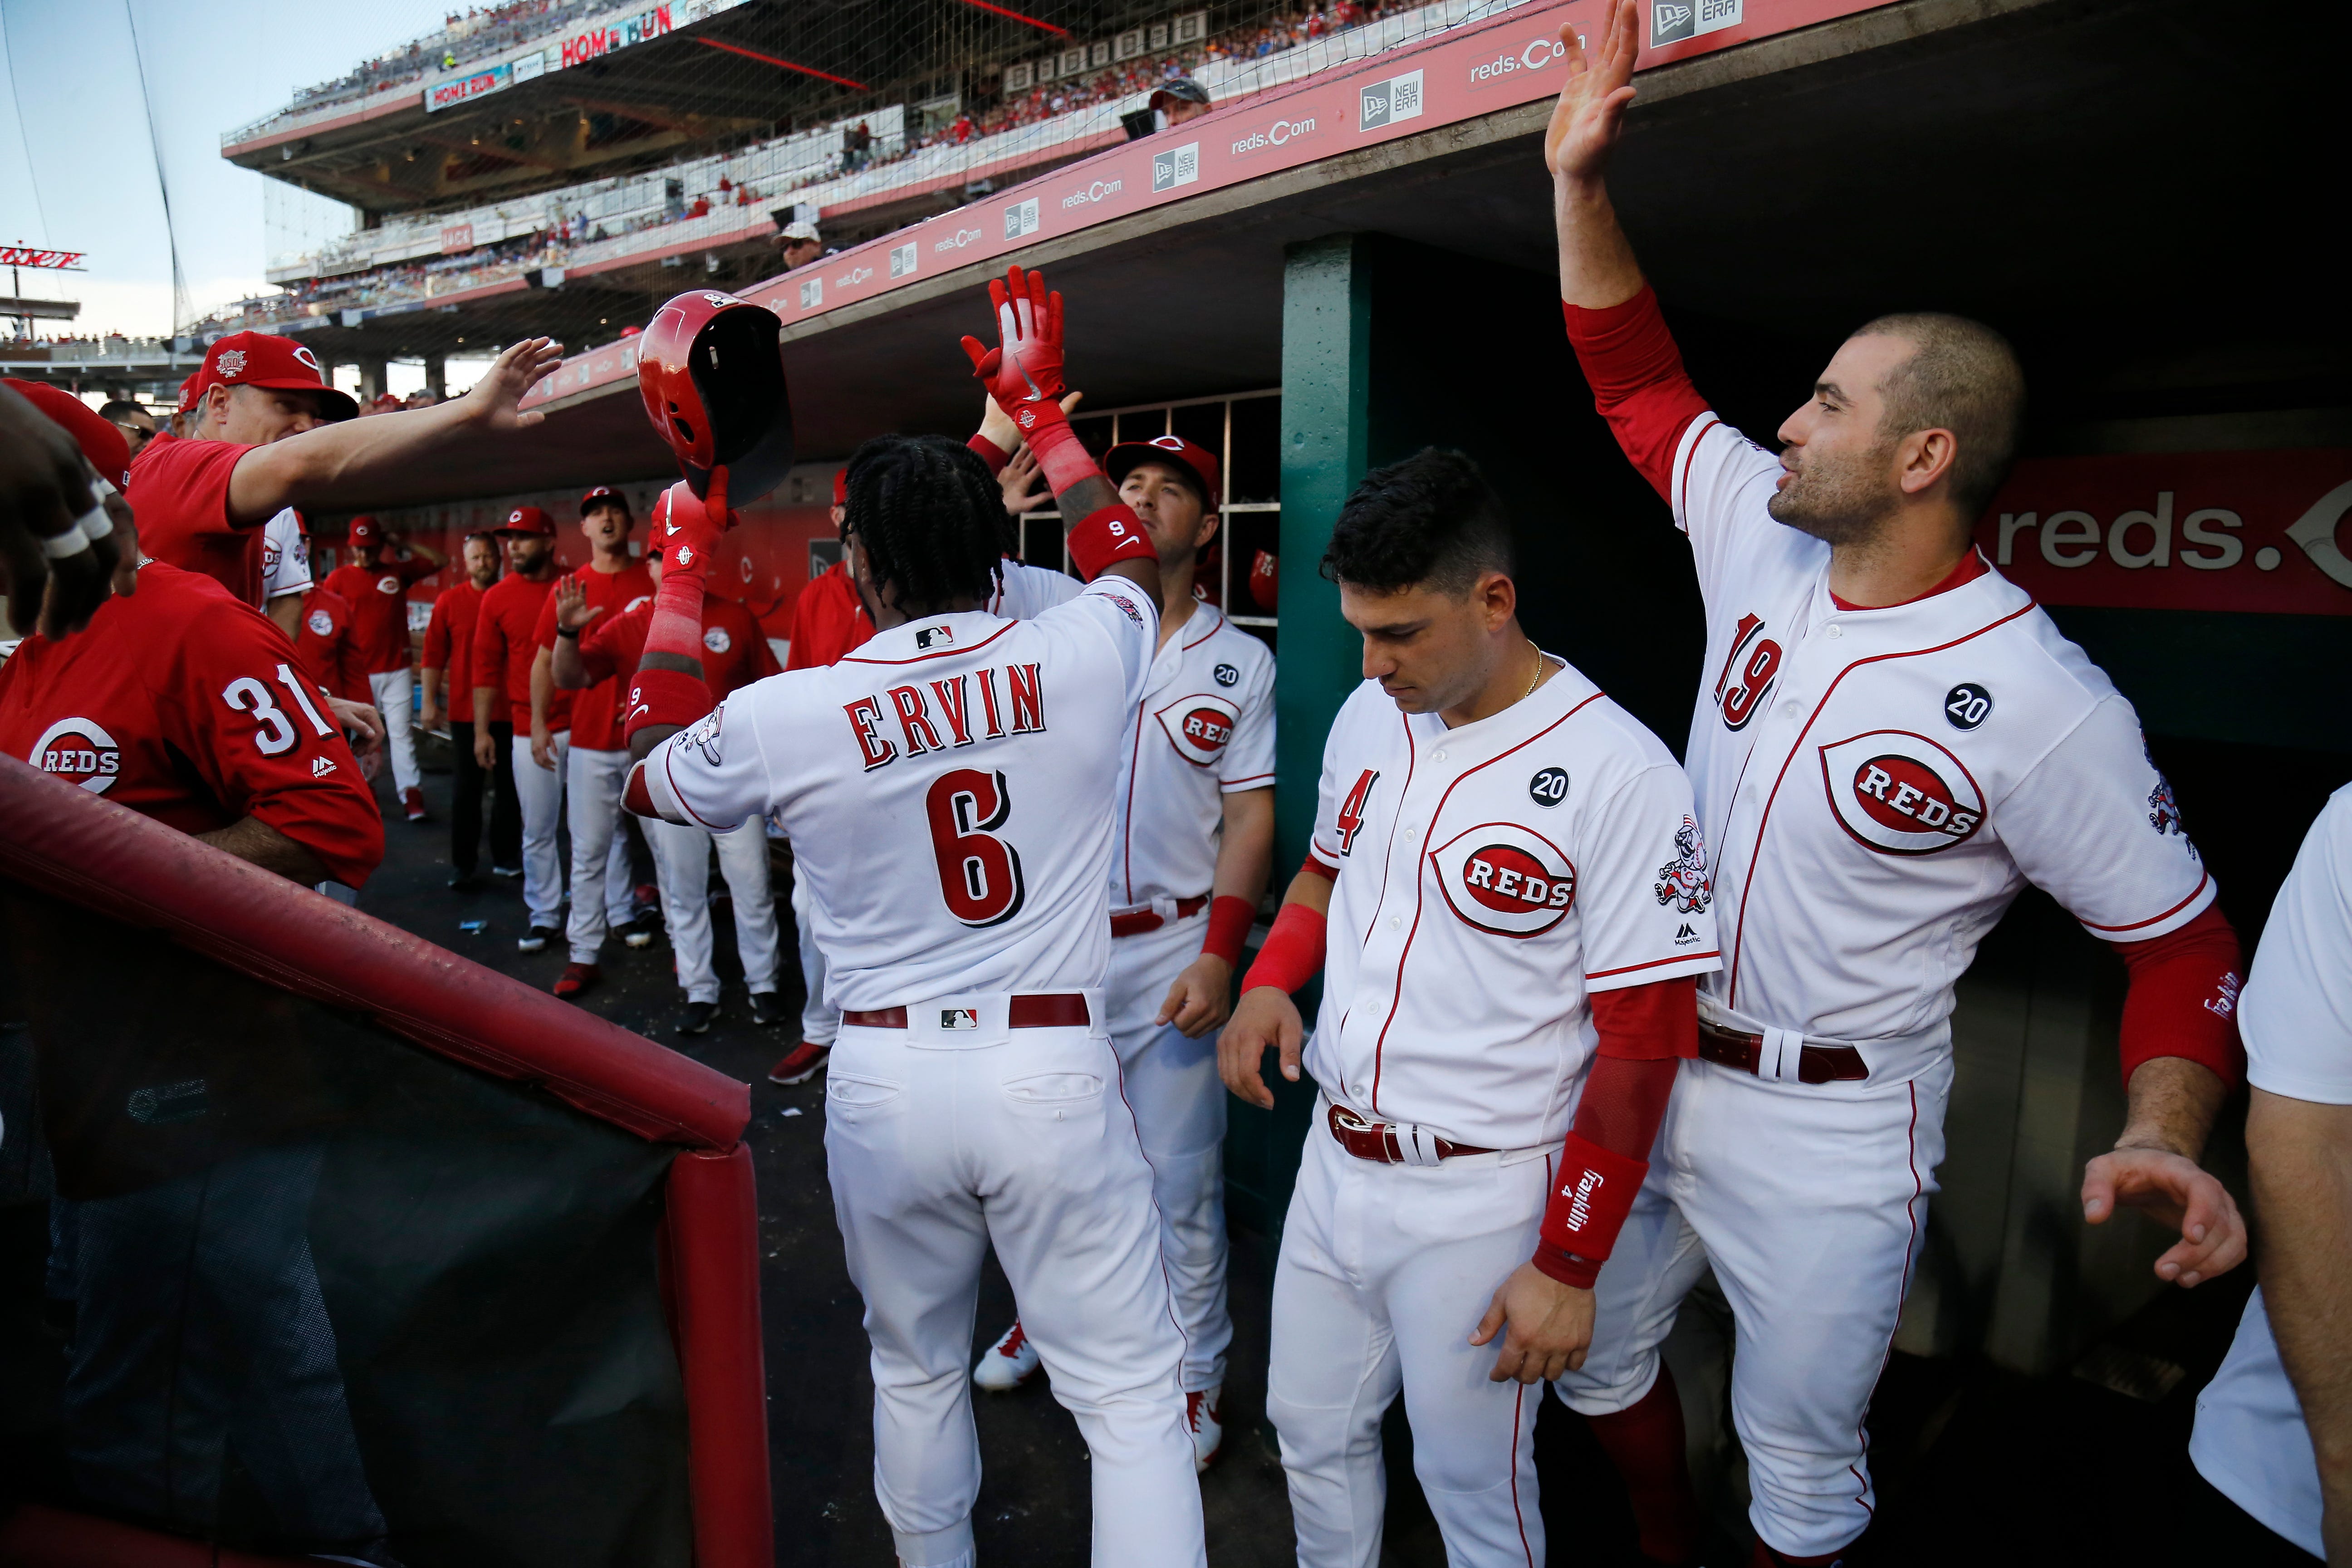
<point>800,245</point>
<point>1182,99</point>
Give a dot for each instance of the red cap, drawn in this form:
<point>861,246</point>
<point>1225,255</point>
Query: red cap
<point>188,391</point>
<point>528,521</point>
<point>100,440</point>
<point>840,486</point>
<point>1186,455</point>
<point>366,530</point>
<point>603,493</point>
<point>265,358</point>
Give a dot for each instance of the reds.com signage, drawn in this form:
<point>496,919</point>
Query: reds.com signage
<point>2188,530</point>
<point>597,42</point>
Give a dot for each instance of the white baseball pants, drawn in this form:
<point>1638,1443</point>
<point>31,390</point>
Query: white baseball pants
<point>1385,1271</point>
<point>602,887</point>
<point>943,1143</point>
<point>392,689</point>
<point>1809,1200</point>
<point>1180,1112</point>
<point>539,793</point>
<point>820,1020</point>
<point>682,866</point>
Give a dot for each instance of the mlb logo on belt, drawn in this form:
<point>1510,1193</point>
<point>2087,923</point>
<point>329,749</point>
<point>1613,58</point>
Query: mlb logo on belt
<point>959,1018</point>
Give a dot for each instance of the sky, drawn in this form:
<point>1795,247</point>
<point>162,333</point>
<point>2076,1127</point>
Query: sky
<point>78,169</point>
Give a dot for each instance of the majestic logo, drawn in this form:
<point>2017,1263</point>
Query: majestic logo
<point>321,766</point>
<point>1968,705</point>
<point>1200,727</point>
<point>1227,675</point>
<point>80,752</point>
<point>1682,882</point>
<point>387,584</point>
<point>1901,794</point>
<point>232,364</point>
<point>1502,879</point>
<point>1757,659</point>
<point>1351,810</point>
<point>320,623</point>
<point>959,1018</point>
<point>1684,936</point>
<point>935,637</point>
<point>715,639</point>
<point>1548,787</point>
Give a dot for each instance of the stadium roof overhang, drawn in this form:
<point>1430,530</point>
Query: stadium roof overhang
<point>2059,167</point>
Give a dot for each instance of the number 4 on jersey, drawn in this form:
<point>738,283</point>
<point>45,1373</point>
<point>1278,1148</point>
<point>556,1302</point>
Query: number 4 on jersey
<point>1351,810</point>
<point>980,874</point>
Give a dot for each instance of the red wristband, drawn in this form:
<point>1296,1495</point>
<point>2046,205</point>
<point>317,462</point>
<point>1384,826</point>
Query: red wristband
<point>1588,1207</point>
<point>995,455</point>
<point>1293,950</point>
<point>1229,925</point>
<point>664,697</point>
<point>1107,537</point>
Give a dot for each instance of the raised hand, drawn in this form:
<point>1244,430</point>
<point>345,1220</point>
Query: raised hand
<point>494,400</point>
<point>1591,114</point>
<point>1023,372</point>
<point>573,610</point>
<point>1019,482</point>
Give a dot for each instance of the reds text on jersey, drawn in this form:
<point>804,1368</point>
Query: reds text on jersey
<point>1878,784</point>
<point>1204,729</point>
<point>285,555</point>
<point>1491,878</point>
<point>948,790</point>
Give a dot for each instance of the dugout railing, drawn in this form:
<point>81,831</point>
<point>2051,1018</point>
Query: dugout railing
<point>352,1245</point>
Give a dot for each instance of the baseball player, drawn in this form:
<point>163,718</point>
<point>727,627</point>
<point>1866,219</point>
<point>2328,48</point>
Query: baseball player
<point>1890,741</point>
<point>506,651</point>
<point>948,788</point>
<point>1194,843</point>
<point>449,662</point>
<point>325,644</point>
<point>591,648</point>
<point>1516,903</point>
<point>2274,1426</point>
<point>376,587</point>
<point>592,761</point>
<point>286,575</point>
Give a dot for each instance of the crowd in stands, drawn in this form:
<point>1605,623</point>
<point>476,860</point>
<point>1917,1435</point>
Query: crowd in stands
<point>464,37</point>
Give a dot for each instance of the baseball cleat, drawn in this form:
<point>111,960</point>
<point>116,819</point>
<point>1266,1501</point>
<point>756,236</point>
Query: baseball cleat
<point>803,1063</point>
<point>637,934</point>
<point>647,897</point>
<point>696,1020</point>
<point>412,799</point>
<point>766,1007</point>
<point>1008,1364</point>
<point>1204,1413</point>
<point>507,871</point>
<point>576,978</point>
<point>535,938</point>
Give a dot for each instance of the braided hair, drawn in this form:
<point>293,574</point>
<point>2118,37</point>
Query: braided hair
<point>930,519</point>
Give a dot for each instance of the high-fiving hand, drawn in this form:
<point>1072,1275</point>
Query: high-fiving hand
<point>1591,114</point>
<point>573,610</point>
<point>494,400</point>
<point>1023,372</point>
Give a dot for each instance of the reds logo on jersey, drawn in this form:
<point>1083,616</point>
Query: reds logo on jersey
<point>321,623</point>
<point>1901,794</point>
<point>1750,671</point>
<point>1200,727</point>
<point>1502,879</point>
<point>80,752</point>
<point>715,639</point>
<point>387,584</point>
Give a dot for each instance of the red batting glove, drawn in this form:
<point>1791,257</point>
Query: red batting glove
<point>1025,373</point>
<point>685,530</point>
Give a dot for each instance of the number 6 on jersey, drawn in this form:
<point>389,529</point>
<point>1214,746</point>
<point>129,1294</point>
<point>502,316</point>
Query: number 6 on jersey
<point>980,874</point>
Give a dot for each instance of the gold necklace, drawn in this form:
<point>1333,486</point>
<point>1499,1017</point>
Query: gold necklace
<point>1540,662</point>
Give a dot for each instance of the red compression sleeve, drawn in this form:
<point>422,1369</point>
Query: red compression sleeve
<point>1293,950</point>
<point>1060,453</point>
<point>1645,1032</point>
<point>2183,997</point>
<point>995,455</point>
<point>685,531</point>
<point>1229,926</point>
<point>1638,381</point>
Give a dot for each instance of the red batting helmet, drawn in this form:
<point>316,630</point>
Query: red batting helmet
<point>710,368</point>
<point>102,443</point>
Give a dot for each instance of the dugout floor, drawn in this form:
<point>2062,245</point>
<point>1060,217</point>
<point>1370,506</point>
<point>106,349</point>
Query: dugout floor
<point>1974,1465</point>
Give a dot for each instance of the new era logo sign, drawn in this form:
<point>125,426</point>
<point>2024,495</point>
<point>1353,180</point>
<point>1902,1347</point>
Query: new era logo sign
<point>1177,166</point>
<point>811,294</point>
<point>1020,218</point>
<point>1673,21</point>
<point>1386,102</point>
<point>959,1018</point>
<point>902,259</point>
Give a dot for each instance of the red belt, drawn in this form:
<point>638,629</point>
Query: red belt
<point>1815,1064</point>
<point>1056,1010</point>
<point>1377,1140</point>
<point>1135,922</point>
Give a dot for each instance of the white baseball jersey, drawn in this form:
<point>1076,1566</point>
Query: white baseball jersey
<point>946,788</point>
<point>1205,731</point>
<point>1024,591</point>
<point>2296,1016</point>
<point>1877,785</point>
<point>1491,879</point>
<point>285,556</point>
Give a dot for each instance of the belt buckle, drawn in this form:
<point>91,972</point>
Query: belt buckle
<point>1347,1122</point>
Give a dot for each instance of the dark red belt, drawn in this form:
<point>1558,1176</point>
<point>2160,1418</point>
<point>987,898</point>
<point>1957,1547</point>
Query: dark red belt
<point>1135,922</point>
<point>1057,1010</point>
<point>1377,1140</point>
<point>1815,1064</point>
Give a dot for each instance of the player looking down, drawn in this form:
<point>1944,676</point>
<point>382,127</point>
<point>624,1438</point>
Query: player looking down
<point>1890,741</point>
<point>948,788</point>
<point>1507,995</point>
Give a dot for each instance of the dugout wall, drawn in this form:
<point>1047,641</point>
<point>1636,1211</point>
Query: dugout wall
<point>319,1238</point>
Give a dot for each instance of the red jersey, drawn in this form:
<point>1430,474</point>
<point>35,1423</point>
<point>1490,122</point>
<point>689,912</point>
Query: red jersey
<point>185,706</point>
<point>449,646</point>
<point>179,493</point>
<point>504,645</point>
<point>596,712</point>
<point>323,641</point>
<point>829,621</point>
<point>378,595</point>
<point>734,652</point>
